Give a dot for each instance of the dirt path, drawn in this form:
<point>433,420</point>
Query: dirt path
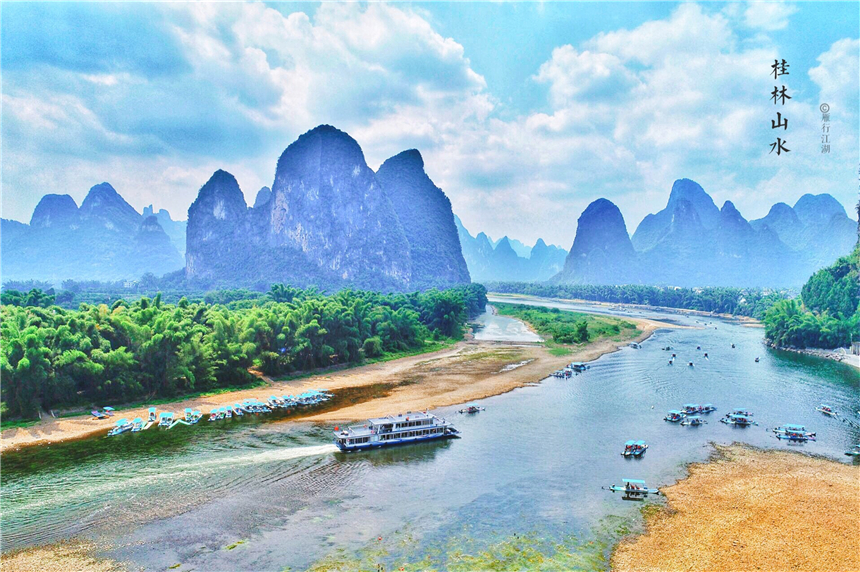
<point>754,510</point>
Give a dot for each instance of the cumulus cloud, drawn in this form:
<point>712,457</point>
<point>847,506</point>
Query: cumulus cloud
<point>155,97</point>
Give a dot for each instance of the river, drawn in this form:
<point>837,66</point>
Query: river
<point>525,478</point>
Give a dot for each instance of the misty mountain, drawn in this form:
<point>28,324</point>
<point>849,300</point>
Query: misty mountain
<point>501,260</point>
<point>104,239</point>
<point>693,243</point>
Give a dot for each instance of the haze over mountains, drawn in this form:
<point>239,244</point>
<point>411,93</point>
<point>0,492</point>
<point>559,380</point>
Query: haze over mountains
<point>509,259</point>
<point>104,239</point>
<point>691,242</point>
<point>329,220</point>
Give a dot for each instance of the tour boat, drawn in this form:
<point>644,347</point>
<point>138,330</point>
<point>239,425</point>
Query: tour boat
<point>393,430</point>
<point>827,410</point>
<point>674,416</point>
<point>694,421</point>
<point>165,419</point>
<point>471,409</point>
<point>707,408</point>
<point>693,408</point>
<point>137,425</point>
<point>737,419</point>
<point>633,488</point>
<point>741,411</point>
<point>634,448</point>
<point>854,452</point>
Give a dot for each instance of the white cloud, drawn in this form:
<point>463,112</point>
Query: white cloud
<point>768,16</point>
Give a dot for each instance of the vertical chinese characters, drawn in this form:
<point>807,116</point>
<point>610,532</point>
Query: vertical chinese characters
<point>779,95</point>
<point>825,127</point>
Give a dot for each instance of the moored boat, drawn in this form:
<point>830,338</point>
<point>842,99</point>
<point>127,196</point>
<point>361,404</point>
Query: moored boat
<point>165,419</point>
<point>393,430</point>
<point>854,452</point>
<point>137,425</point>
<point>693,421</point>
<point>792,428</point>
<point>121,426</point>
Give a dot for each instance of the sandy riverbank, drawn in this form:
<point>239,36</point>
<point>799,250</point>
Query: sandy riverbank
<point>468,371</point>
<point>749,509</point>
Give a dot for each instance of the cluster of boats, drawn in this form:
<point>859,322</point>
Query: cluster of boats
<point>634,449</point>
<point>570,369</point>
<point>169,420</point>
<point>688,415</point>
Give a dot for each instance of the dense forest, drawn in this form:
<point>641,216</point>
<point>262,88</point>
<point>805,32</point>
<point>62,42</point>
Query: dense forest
<point>98,354</point>
<point>827,315</point>
<point>736,301</point>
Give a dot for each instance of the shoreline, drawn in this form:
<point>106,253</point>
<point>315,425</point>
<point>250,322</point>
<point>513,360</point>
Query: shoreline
<point>832,355</point>
<point>468,371</point>
<point>750,508</point>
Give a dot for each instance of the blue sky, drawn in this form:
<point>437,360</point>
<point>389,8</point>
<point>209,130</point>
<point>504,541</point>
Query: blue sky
<point>524,112</point>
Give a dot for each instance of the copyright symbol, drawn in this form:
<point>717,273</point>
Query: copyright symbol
<point>824,108</point>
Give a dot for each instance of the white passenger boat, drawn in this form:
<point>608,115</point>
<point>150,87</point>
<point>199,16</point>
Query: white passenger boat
<point>393,430</point>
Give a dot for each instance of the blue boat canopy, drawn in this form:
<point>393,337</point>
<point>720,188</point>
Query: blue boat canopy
<point>796,427</point>
<point>166,414</point>
<point>640,442</point>
<point>122,421</point>
<point>108,408</point>
<point>628,443</point>
<point>675,411</point>
<point>138,420</point>
<point>637,481</point>
<point>152,409</point>
<point>187,409</point>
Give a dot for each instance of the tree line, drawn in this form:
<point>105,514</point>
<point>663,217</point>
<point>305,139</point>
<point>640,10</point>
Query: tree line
<point>736,301</point>
<point>97,354</point>
<point>827,314</point>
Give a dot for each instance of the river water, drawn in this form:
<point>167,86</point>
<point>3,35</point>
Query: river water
<point>525,476</point>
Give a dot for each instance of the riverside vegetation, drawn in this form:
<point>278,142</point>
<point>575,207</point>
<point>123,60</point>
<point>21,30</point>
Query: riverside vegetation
<point>54,357</point>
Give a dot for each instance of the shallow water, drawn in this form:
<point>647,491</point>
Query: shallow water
<point>492,327</point>
<point>532,463</point>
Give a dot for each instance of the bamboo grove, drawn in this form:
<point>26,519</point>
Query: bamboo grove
<point>54,357</point>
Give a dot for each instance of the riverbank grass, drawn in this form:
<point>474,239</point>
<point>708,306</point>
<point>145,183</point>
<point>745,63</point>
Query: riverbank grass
<point>565,330</point>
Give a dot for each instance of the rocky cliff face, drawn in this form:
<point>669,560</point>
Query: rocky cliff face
<point>329,222</point>
<point>104,239</point>
<point>175,229</point>
<point>655,226</point>
<point>427,220</point>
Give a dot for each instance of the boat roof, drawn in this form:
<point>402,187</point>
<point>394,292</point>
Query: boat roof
<point>708,405</point>
<point>138,419</point>
<point>108,408</point>
<point>152,408</point>
<point>631,442</point>
<point>409,416</point>
<point>691,405</point>
<point>637,481</point>
<point>640,442</point>
<point>166,414</point>
<point>676,411</point>
<point>122,421</point>
<point>792,426</point>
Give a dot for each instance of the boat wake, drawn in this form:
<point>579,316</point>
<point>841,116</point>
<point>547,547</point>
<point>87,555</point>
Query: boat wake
<point>266,456</point>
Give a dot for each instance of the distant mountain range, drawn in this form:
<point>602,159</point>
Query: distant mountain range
<point>509,259</point>
<point>104,239</point>
<point>691,242</point>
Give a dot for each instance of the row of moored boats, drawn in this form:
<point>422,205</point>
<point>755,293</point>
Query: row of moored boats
<point>252,406</point>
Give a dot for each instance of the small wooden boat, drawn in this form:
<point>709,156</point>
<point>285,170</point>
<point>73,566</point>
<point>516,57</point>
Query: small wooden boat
<point>694,421</point>
<point>757,360</point>
<point>706,355</point>
<point>741,411</point>
<point>698,347</point>
<point>694,409</point>
<point>733,346</point>
<point>121,426</point>
<point>578,367</point>
<point>471,409</point>
<point>827,410</point>
<point>633,488</point>
<point>674,416</point>
<point>854,452</point>
<point>98,414</point>
<point>690,364</point>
